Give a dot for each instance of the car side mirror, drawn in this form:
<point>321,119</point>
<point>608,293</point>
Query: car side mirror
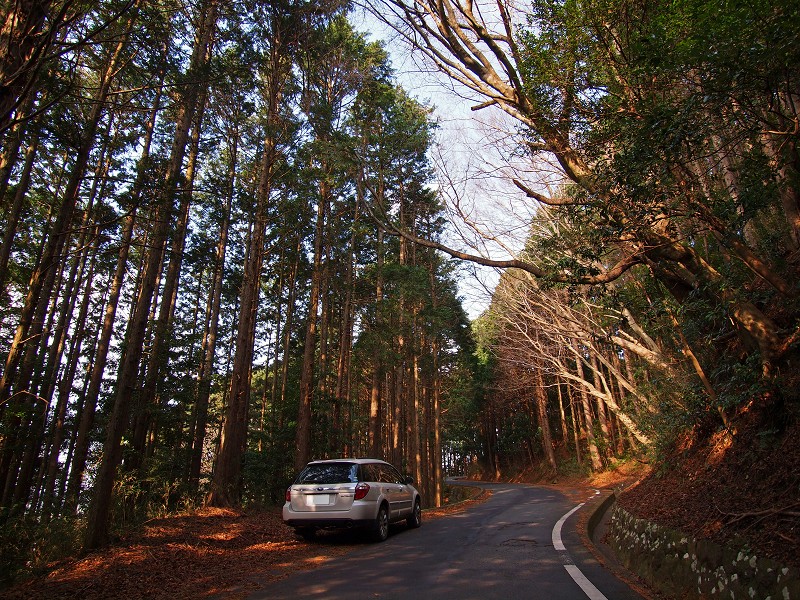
<point>409,480</point>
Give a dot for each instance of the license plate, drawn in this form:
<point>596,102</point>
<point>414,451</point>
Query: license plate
<point>318,499</point>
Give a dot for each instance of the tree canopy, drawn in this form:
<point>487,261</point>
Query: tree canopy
<point>196,300</point>
<point>660,274</point>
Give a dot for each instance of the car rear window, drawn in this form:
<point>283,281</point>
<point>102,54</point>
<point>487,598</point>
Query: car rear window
<point>329,473</point>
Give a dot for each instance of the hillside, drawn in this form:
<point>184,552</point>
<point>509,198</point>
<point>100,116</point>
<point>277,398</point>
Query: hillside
<point>739,489</point>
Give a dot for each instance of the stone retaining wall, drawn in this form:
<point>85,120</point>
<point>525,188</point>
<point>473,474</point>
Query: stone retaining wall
<point>682,567</point>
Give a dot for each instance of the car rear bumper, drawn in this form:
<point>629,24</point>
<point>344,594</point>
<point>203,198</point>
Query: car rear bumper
<point>357,516</point>
<point>329,523</point>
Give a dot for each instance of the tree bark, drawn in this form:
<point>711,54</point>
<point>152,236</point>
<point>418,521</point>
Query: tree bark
<point>540,393</point>
<point>100,507</point>
<point>226,484</point>
<point>594,453</point>
<point>101,355</point>
<point>303,437</point>
<point>209,344</point>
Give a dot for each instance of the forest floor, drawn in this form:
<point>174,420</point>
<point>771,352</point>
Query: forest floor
<point>739,489</point>
<point>209,553</point>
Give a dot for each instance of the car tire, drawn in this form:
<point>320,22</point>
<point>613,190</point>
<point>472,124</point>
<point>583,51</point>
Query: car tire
<point>414,520</point>
<point>380,529</point>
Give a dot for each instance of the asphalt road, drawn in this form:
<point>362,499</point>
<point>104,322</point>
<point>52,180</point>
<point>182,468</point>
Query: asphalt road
<point>502,548</point>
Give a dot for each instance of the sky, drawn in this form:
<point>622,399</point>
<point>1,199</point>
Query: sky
<point>487,214</point>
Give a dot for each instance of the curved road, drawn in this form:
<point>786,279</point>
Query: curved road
<point>507,547</point>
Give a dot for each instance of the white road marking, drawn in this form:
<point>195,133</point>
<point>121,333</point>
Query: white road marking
<point>588,588</point>
<point>557,543</point>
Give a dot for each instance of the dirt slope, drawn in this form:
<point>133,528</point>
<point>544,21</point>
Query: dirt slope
<point>740,489</point>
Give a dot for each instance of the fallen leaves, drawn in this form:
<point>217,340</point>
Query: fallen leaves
<point>206,554</point>
<point>200,555</point>
<point>734,490</point>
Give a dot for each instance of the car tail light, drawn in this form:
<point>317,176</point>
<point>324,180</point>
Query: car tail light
<point>362,489</point>
<point>288,494</point>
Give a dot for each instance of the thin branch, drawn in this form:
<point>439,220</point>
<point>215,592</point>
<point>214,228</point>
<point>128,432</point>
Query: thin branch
<point>541,198</point>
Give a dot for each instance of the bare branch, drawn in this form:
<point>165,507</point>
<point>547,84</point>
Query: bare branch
<point>542,198</point>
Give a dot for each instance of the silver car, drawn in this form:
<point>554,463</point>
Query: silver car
<point>352,492</point>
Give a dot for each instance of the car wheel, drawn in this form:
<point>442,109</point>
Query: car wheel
<point>380,529</point>
<point>307,533</point>
<point>414,520</point>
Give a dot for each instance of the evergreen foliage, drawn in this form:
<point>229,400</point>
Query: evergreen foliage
<point>191,257</point>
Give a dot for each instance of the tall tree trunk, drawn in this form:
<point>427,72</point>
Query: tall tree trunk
<point>225,490</point>
<point>437,429</point>
<point>601,408</point>
<point>101,356</point>
<point>540,393</point>
<point>12,143</point>
<point>48,383</point>
<point>594,453</point>
<point>42,279</point>
<point>64,390</point>
<point>375,443</point>
<point>576,424</point>
<point>345,338</point>
<point>289,327</point>
<point>48,378</point>
<point>562,415</point>
<point>303,437</point>
<point>414,427</point>
<point>159,350</point>
<point>209,345</point>
<point>15,210</point>
<point>24,42</point>
<point>100,507</point>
